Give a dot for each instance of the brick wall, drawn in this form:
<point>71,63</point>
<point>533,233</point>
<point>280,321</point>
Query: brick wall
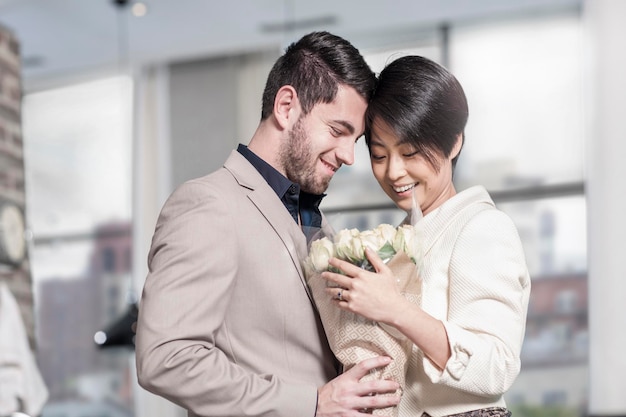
<point>18,277</point>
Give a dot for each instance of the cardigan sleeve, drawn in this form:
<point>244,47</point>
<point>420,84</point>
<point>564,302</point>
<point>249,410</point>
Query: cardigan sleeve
<point>489,289</point>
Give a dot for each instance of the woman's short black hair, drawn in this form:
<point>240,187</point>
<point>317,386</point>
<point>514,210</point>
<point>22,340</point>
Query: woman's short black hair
<point>423,104</point>
<point>315,66</point>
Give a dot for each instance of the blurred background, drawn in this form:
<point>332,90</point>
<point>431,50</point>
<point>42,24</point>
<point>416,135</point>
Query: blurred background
<point>106,106</point>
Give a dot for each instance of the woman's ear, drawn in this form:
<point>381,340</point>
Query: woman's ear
<point>286,106</point>
<point>457,146</point>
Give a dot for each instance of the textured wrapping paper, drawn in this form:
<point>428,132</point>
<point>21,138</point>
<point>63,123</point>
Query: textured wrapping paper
<point>354,338</point>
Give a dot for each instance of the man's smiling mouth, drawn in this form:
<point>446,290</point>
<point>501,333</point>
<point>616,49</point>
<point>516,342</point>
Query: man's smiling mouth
<point>330,166</point>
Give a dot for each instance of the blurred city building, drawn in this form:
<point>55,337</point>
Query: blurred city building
<point>82,375</point>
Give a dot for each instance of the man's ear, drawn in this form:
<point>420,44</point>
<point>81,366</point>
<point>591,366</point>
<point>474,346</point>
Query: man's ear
<point>286,106</point>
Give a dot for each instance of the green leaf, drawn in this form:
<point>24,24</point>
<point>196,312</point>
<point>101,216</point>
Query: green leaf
<point>387,251</point>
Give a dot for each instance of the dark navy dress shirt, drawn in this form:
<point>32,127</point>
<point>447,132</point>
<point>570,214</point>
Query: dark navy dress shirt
<point>296,201</point>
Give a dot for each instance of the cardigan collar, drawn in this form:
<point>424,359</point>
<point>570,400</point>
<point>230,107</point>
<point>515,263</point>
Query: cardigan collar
<point>435,222</point>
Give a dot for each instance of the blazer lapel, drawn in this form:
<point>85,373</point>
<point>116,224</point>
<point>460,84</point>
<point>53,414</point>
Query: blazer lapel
<point>268,204</point>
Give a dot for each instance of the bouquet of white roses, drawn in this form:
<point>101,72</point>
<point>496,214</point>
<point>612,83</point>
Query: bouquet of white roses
<point>352,337</point>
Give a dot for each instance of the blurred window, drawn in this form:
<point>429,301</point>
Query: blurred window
<point>555,398</point>
<point>525,142</point>
<point>523,79</point>
<point>108,259</point>
<point>77,144</point>
<point>566,301</point>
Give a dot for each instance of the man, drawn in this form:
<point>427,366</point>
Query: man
<point>227,326</point>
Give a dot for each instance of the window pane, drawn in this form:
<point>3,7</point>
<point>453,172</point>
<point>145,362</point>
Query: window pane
<point>74,302</point>
<point>78,151</point>
<point>523,80</point>
<point>377,59</point>
<point>363,219</point>
<point>555,352</point>
<point>554,234</point>
<point>77,144</point>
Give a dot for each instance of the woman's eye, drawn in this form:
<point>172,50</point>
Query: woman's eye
<point>410,154</point>
<point>376,157</point>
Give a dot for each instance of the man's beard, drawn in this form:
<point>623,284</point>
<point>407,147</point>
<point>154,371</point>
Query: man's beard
<point>297,159</point>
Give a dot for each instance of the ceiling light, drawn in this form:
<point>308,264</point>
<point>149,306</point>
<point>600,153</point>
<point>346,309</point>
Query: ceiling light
<point>139,9</point>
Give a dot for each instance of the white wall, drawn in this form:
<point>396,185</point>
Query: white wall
<point>606,204</point>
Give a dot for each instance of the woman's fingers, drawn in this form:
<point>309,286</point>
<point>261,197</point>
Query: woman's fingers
<point>338,280</point>
<point>345,266</point>
<point>375,260</point>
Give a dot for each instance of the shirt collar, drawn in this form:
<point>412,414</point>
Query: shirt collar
<point>301,205</point>
<point>277,181</point>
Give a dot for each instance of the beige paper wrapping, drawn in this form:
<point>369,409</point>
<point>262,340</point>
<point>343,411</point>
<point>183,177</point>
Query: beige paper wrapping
<point>354,338</point>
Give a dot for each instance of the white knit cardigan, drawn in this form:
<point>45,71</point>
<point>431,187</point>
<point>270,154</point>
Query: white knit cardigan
<point>475,280</point>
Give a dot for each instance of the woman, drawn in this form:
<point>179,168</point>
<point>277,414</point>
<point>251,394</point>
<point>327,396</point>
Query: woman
<point>468,330</point>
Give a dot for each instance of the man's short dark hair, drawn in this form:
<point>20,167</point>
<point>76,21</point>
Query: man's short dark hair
<point>315,66</point>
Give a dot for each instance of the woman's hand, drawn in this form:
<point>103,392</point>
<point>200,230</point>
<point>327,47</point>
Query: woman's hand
<point>373,295</point>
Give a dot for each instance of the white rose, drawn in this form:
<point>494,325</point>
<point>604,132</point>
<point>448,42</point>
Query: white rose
<point>387,233</point>
<point>320,253</point>
<point>371,239</point>
<point>347,246</point>
<point>355,250</point>
<point>404,236</point>
<point>407,240</point>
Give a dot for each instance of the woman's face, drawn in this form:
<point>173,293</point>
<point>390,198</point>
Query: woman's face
<point>400,169</point>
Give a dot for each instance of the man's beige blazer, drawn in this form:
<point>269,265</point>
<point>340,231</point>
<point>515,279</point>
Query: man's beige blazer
<point>226,324</point>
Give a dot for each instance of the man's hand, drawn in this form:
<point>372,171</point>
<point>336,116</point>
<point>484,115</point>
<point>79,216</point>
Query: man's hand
<point>347,396</point>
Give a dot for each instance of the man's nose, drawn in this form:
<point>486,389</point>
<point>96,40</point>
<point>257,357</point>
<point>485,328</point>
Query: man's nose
<point>345,152</point>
